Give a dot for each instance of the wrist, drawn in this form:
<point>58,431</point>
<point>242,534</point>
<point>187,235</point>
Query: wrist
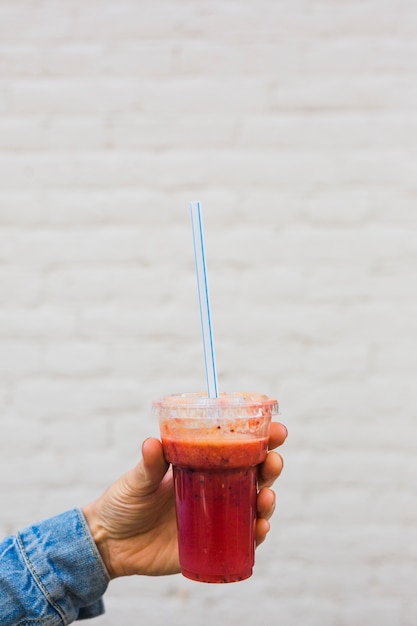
<point>99,535</point>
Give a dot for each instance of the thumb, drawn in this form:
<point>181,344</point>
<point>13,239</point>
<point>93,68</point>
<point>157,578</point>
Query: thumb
<point>154,465</point>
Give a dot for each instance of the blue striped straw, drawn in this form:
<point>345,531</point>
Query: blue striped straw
<point>200,264</point>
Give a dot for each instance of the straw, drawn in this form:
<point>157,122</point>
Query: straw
<point>200,263</point>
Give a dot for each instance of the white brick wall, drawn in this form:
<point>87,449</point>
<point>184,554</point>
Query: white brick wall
<point>295,124</point>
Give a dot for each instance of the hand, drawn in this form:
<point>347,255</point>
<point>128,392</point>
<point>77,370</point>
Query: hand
<point>133,523</point>
<point>269,471</point>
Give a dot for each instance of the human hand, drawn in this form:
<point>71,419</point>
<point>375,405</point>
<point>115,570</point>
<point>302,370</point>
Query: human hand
<point>133,523</point>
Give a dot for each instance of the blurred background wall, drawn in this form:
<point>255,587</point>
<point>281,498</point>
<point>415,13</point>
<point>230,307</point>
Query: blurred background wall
<point>295,124</point>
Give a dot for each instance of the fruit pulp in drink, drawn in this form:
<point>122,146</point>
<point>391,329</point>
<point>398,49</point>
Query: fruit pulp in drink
<point>215,489</point>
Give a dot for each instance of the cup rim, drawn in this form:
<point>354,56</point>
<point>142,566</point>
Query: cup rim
<point>201,400</point>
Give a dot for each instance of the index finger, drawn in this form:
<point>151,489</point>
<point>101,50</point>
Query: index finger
<point>277,435</point>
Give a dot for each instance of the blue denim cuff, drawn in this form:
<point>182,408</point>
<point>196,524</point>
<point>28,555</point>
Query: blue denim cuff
<point>64,560</point>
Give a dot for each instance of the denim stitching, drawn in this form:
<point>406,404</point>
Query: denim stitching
<point>40,585</point>
<point>46,621</point>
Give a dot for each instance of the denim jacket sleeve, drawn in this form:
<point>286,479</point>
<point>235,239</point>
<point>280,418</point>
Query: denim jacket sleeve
<point>51,574</point>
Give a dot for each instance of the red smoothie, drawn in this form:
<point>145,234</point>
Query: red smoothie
<point>216,487</point>
<point>214,446</point>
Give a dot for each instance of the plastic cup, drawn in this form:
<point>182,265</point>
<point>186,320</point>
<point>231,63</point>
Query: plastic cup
<point>214,446</point>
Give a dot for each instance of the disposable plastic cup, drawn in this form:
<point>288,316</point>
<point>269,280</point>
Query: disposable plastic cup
<point>214,446</point>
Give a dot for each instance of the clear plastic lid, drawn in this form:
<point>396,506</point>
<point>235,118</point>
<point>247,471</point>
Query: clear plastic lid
<point>237,404</point>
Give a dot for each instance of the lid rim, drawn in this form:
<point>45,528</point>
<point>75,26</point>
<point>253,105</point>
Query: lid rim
<point>201,400</point>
